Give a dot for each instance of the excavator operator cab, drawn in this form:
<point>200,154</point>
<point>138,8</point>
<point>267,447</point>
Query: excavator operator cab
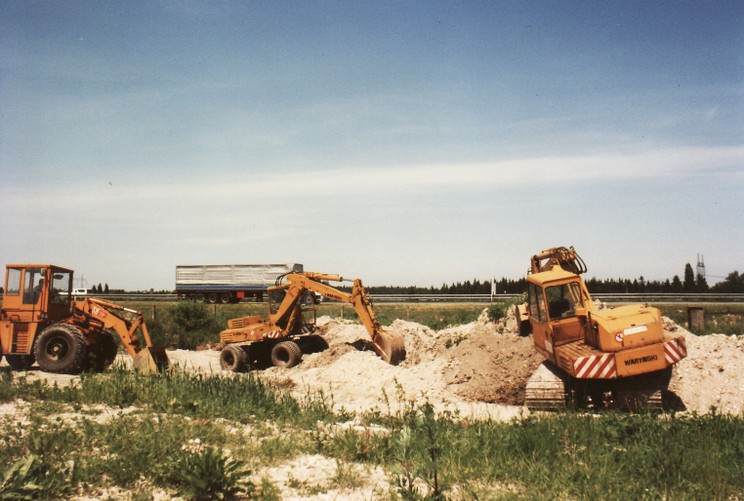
<point>557,309</point>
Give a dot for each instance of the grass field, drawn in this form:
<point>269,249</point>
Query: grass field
<point>207,437</point>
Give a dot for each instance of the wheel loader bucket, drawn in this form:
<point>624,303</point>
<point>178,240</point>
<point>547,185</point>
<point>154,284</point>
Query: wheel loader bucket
<point>390,347</point>
<point>152,360</point>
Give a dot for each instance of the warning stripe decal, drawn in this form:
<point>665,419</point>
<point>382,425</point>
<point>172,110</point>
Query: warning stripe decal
<point>675,350</point>
<point>596,367</point>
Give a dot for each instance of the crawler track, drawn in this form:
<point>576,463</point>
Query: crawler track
<point>549,389</point>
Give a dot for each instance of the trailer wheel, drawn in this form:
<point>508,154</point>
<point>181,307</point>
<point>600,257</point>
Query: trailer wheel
<point>225,298</point>
<point>19,362</point>
<point>61,348</point>
<point>286,354</point>
<point>233,358</point>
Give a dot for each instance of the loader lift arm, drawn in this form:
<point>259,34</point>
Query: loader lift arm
<point>129,325</point>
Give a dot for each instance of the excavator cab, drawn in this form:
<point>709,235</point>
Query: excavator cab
<point>558,309</point>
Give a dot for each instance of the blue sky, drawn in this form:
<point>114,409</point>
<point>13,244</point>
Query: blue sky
<point>401,142</point>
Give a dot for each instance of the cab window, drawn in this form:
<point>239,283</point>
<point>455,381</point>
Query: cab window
<point>13,285</point>
<point>33,285</point>
<point>563,300</point>
<point>61,287</point>
<point>537,303</point>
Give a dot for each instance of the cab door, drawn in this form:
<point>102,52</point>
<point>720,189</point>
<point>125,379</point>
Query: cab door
<point>542,331</point>
<point>24,303</point>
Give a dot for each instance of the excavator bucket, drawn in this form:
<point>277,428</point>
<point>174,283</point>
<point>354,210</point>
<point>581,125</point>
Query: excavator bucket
<point>152,360</point>
<point>390,347</point>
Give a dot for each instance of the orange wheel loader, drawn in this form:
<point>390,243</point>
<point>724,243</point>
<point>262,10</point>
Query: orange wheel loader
<point>40,323</point>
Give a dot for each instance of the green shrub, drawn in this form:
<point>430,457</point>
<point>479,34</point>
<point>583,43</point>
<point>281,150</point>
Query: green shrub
<point>209,474</point>
<point>192,324</point>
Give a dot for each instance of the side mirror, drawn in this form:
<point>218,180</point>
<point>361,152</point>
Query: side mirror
<point>59,276</point>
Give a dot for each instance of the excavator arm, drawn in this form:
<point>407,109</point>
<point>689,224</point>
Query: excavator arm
<point>130,326</point>
<point>389,346</point>
<point>566,258</point>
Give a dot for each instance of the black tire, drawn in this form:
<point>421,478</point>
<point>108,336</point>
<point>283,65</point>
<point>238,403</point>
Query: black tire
<point>233,358</point>
<point>308,299</point>
<point>212,298</point>
<point>61,348</point>
<point>226,298</point>
<point>199,298</point>
<point>20,362</point>
<point>286,354</point>
<point>102,354</point>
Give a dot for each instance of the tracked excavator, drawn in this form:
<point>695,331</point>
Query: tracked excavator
<point>596,358</point>
<point>280,340</point>
<point>40,323</point>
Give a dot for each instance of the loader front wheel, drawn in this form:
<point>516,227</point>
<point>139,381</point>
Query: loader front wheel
<point>102,354</point>
<point>233,358</point>
<point>61,348</point>
<point>286,354</point>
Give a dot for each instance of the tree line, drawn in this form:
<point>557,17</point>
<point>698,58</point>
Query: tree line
<point>690,283</point>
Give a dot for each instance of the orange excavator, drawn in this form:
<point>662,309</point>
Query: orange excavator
<point>281,339</point>
<point>40,323</point>
<point>619,357</point>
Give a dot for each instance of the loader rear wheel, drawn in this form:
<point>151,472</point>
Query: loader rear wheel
<point>61,348</point>
<point>233,358</point>
<point>286,354</point>
<point>20,362</point>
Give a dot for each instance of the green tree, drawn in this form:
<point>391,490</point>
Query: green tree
<point>701,285</point>
<point>689,283</point>
<point>733,283</point>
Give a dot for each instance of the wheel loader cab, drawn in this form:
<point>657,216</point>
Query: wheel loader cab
<point>33,296</point>
<point>38,289</point>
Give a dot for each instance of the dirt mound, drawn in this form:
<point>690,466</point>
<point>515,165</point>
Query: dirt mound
<point>712,375</point>
<point>479,368</point>
<point>482,368</point>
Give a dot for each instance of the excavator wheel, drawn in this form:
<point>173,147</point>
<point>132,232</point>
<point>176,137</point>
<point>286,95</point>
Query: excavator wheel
<point>61,348</point>
<point>286,354</point>
<point>390,347</point>
<point>233,358</point>
<point>20,362</point>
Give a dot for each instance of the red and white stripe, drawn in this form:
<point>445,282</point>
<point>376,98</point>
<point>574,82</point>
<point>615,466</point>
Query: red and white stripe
<point>675,350</point>
<point>596,367</point>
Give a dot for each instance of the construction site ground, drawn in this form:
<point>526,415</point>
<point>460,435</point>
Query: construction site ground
<point>478,369</point>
